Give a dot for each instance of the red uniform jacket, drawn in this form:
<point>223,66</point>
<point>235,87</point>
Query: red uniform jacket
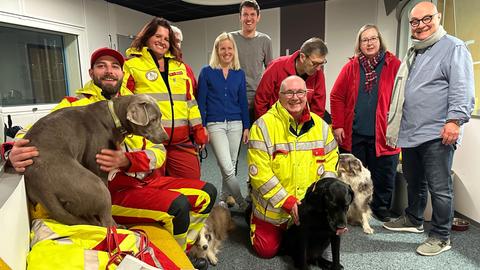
<point>279,69</point>
<point>344,97</point>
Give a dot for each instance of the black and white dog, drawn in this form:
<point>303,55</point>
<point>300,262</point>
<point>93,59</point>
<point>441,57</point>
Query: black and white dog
<point>323,218</point>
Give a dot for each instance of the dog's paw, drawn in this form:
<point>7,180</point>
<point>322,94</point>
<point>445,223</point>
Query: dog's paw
<point>368,230</point>
<point>213,260</point>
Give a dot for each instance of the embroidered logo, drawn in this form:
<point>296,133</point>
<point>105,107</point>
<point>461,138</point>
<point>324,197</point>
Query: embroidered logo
<point>253,170</point>
<point>151,75</point>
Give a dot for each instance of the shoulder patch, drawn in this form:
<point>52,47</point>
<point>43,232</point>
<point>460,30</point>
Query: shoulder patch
<point>253,170</point>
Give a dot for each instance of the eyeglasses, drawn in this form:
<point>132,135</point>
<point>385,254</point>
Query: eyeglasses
<point>425,20</point>
<point>317,64</point>
<point>369,40</point>
<point>290,93</point>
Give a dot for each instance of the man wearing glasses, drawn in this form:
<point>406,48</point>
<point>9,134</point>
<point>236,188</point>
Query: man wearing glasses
<point>435,88</point>
<point>307,63</point>
<point>289,149</point>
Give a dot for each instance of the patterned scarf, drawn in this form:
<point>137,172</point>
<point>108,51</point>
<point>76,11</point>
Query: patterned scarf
<point>369,65</point>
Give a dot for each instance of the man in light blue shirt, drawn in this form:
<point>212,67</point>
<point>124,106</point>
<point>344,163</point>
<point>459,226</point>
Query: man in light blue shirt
<point>438,100</point>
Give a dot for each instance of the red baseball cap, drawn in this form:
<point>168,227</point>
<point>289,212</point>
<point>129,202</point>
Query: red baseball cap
<point>106,51</point>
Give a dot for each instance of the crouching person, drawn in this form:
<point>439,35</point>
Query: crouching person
<point>139,192</point>
<point>289,149</point>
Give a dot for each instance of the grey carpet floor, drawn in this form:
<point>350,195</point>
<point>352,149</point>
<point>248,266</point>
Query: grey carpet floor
<point>382,250</point>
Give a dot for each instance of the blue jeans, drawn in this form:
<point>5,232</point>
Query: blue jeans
<point>225,139</point>
<point>427,168</point>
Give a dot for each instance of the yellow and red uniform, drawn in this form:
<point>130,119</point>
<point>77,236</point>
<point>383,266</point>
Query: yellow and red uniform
<point>284,159</point>
<point>142,194</point>
<point>174,92</point>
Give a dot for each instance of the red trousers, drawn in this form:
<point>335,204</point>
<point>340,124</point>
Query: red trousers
<point>266,237</point>
<point>173,202</point>
<point>182,161</point>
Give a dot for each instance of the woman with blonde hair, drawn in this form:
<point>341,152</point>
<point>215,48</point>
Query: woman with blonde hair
<point>222,99</point>
<point>360,100</point>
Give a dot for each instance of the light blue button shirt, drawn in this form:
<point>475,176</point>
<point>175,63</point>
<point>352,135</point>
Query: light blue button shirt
<point>440,86</point>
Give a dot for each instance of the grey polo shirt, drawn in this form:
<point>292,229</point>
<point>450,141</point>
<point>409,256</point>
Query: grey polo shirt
<point>440,86</point>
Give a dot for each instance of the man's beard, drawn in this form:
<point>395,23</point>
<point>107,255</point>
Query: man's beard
<point>108,90</point>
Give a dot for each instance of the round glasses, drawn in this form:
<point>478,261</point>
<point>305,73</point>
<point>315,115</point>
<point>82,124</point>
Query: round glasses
<point>291,93</point>
<point>425,20</point>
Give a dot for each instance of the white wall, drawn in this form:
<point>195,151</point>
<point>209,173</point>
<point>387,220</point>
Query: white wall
<point>199,35</point>
<point>341,30</point>
<point>96,23</point>
<point>466,162</point>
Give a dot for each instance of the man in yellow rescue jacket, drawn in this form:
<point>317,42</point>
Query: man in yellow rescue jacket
<point>140,193</point>
<point>289,149</point>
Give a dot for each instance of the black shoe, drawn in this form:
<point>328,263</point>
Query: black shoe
<point>199,263</point>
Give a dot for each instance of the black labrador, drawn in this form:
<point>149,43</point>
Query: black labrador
<point>323,218</point>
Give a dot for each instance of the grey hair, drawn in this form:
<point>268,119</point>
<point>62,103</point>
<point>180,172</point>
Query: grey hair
<point>314,45</point>
<point>364,28</point>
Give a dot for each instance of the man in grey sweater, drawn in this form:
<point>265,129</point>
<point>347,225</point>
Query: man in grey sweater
<point>254,48</point>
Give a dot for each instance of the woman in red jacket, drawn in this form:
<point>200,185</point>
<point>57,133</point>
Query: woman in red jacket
<point>360,100</point>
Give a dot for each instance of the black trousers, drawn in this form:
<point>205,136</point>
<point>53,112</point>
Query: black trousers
<point>382,169</point>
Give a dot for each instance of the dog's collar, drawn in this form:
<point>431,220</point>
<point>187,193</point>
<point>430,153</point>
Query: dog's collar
<point>116,120</point>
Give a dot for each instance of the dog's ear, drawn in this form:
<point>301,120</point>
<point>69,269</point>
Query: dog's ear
<point>137,113</point>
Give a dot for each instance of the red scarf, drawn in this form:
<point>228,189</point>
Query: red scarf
<point>369,65</point>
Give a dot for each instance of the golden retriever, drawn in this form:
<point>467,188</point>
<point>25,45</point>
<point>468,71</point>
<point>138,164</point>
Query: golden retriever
<point>215,231</point>
<point>351,171</point>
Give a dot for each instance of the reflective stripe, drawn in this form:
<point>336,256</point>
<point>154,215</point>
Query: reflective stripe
<point>257,145</point>
<point>278,197</point>
<point>167,123</point>
<point>330,146</point>
<point>269,185</point>
<point>261,216</point>
<point>264,204</point>
<point>41,232</point>
<point>328,174</point>
<point>195,121</point>
<point>325,128</point>
<point>303,146</point>
<point>90,258</point>
<point>283,147</point>
<point>191,103</point>
<point>152,158</point>
<point>266,137</point>
<point>166,96</point>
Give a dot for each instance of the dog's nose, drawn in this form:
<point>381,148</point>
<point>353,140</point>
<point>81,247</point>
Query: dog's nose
<point>204,247</point>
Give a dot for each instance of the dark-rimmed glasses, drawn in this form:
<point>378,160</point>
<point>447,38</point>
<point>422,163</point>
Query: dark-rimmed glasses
<point>290,93</point>
<point>425,20</point>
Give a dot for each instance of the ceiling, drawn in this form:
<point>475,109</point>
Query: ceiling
<point>177,10</point>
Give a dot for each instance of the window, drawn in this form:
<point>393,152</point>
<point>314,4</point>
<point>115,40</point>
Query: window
<point>37,67</point>
<point>459,19</point>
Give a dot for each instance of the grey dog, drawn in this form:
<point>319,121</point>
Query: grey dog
<point>65,177</point>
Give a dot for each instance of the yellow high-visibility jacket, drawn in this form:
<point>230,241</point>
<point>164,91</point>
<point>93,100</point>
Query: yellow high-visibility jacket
<point>178,105</point>
<point>144,155</point>
<point>285,158</point>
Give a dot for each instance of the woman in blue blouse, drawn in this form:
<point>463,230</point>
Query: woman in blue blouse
<point>222,99</point>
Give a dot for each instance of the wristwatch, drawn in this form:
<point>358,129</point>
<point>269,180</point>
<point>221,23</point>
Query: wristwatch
<point>457,122</point>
